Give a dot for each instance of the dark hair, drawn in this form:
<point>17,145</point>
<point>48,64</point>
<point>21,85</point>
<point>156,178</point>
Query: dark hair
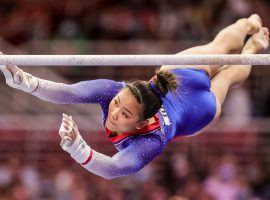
<point>151,98</point>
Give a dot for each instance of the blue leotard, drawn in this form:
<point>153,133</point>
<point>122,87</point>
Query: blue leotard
<point>191,107</point>
<point>183,113</point>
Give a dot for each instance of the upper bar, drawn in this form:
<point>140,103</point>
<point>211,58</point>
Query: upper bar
<point>135,60</point>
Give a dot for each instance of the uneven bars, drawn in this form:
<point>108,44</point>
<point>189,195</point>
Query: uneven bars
<point>135,60</point>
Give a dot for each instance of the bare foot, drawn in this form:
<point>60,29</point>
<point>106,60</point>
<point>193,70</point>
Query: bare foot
<point>258,42</point>
<point>255,24</point>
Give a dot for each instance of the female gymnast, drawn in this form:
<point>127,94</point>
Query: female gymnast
<point>141,117</point>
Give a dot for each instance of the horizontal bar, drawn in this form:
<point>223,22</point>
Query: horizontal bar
<point>135,60</point>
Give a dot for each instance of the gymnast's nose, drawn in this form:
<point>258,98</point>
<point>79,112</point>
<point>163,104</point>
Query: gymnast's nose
<point>115,114</point>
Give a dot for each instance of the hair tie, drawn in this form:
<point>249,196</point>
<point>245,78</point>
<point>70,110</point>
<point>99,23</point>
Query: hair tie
<point>155,89</point>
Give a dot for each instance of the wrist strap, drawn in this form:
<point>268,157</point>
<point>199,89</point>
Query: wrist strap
<point>79,150</point>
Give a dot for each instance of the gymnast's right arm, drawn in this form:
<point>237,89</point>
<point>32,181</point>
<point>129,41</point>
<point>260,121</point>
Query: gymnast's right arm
<point>91,91</point>
<point>138,152</point>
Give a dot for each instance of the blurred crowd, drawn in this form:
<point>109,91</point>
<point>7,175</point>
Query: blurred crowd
<point>210,178</point>
<point>26,20</point>
<point>182,177</point>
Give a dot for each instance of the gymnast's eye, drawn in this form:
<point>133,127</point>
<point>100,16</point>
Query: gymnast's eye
<point>124,114</point>
<point>115,102</point>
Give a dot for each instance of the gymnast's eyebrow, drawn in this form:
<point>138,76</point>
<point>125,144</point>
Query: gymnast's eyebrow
<point>124,107</point>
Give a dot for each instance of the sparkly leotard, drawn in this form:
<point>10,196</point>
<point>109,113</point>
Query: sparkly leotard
<point>183,113</point>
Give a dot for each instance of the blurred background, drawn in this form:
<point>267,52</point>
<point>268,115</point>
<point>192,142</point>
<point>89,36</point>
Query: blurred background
<point>229,162</point>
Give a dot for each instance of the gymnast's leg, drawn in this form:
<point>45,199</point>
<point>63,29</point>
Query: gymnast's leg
<point>227,41</point>
<point>232,76</point>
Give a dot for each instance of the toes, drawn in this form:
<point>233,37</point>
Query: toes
<point>256,17</point>
<point>255,24</point>
<point>260,39</point>
<point>265,30</point>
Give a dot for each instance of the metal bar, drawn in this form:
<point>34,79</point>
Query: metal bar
<point>135,60</point>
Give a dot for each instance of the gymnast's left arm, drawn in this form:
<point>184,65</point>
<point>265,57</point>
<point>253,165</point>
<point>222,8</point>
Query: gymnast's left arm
<point>140,151</point>
<point>90,91</point>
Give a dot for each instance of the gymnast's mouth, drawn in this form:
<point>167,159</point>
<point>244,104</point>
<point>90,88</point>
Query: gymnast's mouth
<point>112,122</point>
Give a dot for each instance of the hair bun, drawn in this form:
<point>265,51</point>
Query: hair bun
<point>166,81</point>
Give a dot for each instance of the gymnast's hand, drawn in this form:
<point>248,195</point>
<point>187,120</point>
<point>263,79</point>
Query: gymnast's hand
<point>18,79</point>
<point>68,131</point>
<point>72,142</point>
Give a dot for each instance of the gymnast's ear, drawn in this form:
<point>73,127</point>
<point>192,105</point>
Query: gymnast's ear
<point>142,124</point>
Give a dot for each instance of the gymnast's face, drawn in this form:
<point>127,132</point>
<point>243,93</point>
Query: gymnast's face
<point>124,113</point>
